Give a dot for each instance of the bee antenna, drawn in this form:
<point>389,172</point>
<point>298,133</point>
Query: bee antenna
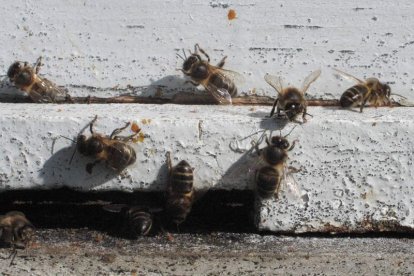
<point>68,138</point>
<point>309,114</point>
<point>180,56</point>
<point>290,132</point>
<point>399,95</point>
<point>73,155</point>
<point>196,47</point>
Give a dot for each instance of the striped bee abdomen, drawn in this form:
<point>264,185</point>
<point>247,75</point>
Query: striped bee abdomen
<point>120,156</point>
<point>267,181</point>
<point>221,81</point>
<point>138,221</point>
<point>353,95</point>
<point>182,178</point>
<point>180,193</point>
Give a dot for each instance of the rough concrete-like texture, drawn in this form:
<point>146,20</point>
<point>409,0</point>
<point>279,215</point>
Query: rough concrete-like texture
<point>81,252</point>
<point>105,48</point>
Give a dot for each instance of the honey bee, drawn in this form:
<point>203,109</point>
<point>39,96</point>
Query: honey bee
<point>220,83</point>
<point>269,178</point>
<point>15,231</point>
<point>134,220</point>
<point>112,149</point>
<point>290,99</point>
<point>39,89</point>
<point>371,90</point>
<point>180,191</point>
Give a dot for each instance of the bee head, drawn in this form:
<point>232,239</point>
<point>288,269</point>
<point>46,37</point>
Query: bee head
<point>292,110</point>
<point>15,69</point>
<point>94,146</point>
<point>280,142</point>
<point>141,226</point>
<point>189,62</point>
<point>27,232</point>
<point>387,90</point>
<point>91,146</point>
<point>25,77</point>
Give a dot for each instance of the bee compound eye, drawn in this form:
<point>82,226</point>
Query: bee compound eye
<point>14,69</point>
<point>200,71</point>
<point>23,78</point>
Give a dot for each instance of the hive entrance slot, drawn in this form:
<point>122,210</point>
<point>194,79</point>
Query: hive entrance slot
<point>215,211</point>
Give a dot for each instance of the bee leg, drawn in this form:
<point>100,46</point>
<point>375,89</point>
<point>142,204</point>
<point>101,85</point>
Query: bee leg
<point>89,166</point>
<point>256,147</point>
<point>16,236</point>
<point>118,130</point>
<point>277,192</point>
<point>362,106</point>
<point>12,255</point>
<point>292,146</point>
<point>125,138</point>
<point>92,123</point>
<point>221,63</point>
<point>203,52</point>
<point>169,163</point>
<point>69,99</point>
<point>304,115</point>
<point>293,169</point>
<point>192,82</point>
<point>38,64</point>
<point>273,108</point>
<point>163,231</point>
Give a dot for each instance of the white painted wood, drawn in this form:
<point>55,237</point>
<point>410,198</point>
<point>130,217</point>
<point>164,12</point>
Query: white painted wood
<point>33,155</point>
<point>357,175</point>
<point>354,167</point>
<point>90,47</point>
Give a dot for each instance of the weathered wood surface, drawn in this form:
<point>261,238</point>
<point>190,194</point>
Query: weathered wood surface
<point>107,48</point>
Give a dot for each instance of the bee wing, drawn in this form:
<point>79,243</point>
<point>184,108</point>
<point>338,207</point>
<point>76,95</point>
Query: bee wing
<point>310,79</point>
<point>221,95</point>
<point>48,92</point>
<point>114,208</point>
<point>229,74</point>
<point>275,82</point>
<point>291,185</point>
<point>348,76</point>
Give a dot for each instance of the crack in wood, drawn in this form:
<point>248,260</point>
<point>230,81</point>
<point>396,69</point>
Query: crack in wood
<point>184,98</point>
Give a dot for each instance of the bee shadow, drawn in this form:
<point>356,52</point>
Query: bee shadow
<point>10,94</point>
<point>241,173</point>
<point>162,178</point>
<point>58,171</point>
<point>165,87</point>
